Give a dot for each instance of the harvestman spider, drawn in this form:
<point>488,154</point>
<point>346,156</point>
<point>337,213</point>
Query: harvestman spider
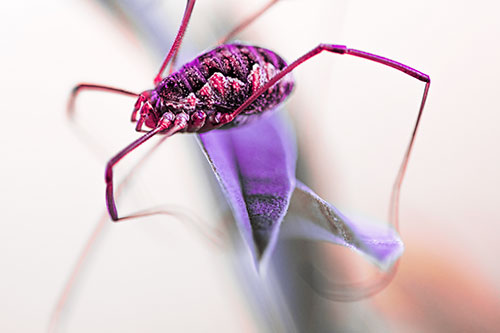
<point>225,87</point>
<point>228,86</point>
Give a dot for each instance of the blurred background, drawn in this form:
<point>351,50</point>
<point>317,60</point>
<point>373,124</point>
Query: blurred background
<point>353,120</point>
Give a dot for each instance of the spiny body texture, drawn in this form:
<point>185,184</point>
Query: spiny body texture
<point>216,83</point>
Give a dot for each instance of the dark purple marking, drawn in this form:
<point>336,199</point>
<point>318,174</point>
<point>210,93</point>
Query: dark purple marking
<point>258,179</point>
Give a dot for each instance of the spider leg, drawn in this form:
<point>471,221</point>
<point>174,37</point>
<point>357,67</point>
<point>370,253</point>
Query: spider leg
<point>70,108</point>
<point>233,32</point>
<point>341,49</point>
<point>166,123</point>
<point>245,23</point>
<point>178,40</point>
<point>373,286</point>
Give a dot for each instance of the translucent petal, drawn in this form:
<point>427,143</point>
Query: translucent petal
<point>311,217</point>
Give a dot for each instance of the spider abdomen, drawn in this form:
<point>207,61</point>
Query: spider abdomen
<point>218,81</point>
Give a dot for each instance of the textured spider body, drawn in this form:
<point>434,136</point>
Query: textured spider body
<point>213,85</point>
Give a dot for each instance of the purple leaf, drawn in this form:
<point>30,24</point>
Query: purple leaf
<point>313,218</point>
<point>255,165</point>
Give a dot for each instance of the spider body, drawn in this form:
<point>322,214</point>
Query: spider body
<point>214,84</point>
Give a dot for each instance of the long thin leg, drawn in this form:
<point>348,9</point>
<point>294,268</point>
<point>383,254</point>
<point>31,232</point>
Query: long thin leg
<point>394,205</point>
<point>373,286</point>
<point>178,39</point>
<point>90,86</point>
<point>341,49</point>
<point>213,235</point>
<point>233,32</point>
<point>164,124</point>
<point>246,22</point>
